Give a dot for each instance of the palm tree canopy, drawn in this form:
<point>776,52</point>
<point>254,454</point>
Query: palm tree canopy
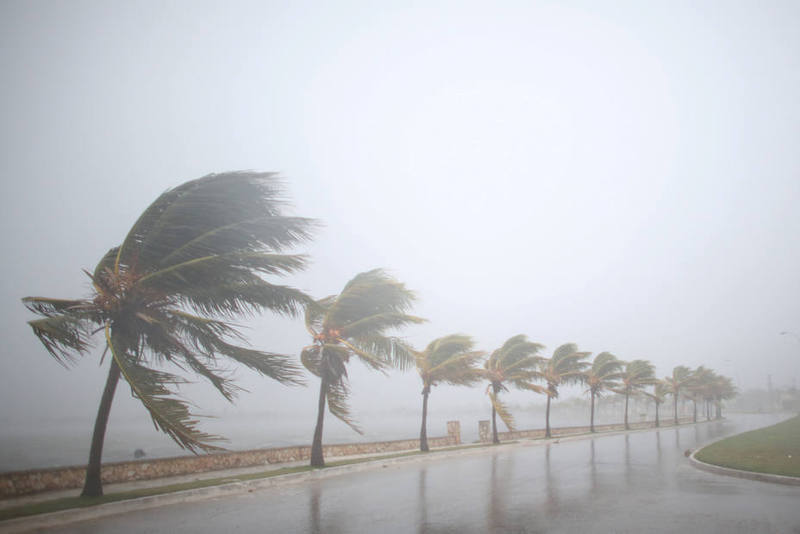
<point>659,393</point>
<point>636,375</point>
<point>354,323</point>
<point>194,259</point>
<point>566,366</point>
<point>680,378</point>
<point>450,359</point>
<point>514,363</point>
<point>604,373</point>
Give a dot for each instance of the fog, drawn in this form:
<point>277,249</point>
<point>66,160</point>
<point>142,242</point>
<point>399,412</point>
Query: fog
<point>620,175</point>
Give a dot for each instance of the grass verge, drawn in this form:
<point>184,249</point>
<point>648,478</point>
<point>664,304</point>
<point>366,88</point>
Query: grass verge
<point>67,503</point>
<point>774,450</point>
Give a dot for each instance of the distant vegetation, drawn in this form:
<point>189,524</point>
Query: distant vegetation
<point>198,259</point>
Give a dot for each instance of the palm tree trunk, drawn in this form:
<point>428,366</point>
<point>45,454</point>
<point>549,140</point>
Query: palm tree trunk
<point>657,424</point>
<point>694,410</point>
<point>423,433</point>
<point>675,397</point>
<point>547,419</point>
<point>495,439</point>
<point>317,459</point>
<point>591,424</point>
<point>627,427</point>
<point>93,485</point>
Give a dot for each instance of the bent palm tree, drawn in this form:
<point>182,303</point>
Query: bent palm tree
<point>659,395</point>
<point>514,363</point>
<point>567,366</point>
<point>451,360</point>
<point>193,260</point>
<point>606,369</point>
<point>354,323</point>
<point>680,379</point>
<point>636,375</point>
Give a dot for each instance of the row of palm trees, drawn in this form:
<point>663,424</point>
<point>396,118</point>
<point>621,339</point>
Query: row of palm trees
<point>197,258</point>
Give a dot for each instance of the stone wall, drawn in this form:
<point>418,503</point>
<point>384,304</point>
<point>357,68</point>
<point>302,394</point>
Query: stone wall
<point>485,430</point>
<point>18,483</point>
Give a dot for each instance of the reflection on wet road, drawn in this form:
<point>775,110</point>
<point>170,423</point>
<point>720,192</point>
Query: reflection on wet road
<point>639,482</point>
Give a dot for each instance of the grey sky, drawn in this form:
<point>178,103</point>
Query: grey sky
<point>622,175</point>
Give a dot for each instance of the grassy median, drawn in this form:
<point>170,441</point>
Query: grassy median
<point>774,450</point>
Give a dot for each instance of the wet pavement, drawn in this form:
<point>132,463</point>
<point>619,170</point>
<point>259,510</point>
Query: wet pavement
<point>637,482</point>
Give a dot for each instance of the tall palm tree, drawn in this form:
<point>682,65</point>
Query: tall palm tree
<point>193,261</point>
<point>635,377</point>
<point>659,395</point>
<point>675,384</point>
<point>448,359</point>
<point>566,366</point>
<point>512,364</point>
<point>602,376</point>
<point>354,323</point>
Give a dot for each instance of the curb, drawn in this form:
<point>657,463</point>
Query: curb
<point>738,473</point>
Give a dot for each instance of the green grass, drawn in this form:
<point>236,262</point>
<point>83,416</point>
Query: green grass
<point>67,503</point>
<point>774,450</point>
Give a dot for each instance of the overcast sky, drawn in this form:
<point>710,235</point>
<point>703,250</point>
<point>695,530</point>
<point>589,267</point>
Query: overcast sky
<point>622,175</point>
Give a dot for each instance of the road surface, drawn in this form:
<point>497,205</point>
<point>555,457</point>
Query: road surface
<point>637,482</point>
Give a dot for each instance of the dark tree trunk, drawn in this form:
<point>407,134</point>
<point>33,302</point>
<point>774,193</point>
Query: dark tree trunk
<point>547,419</point>
<point>591,422</point>
<point>423,433</point>
<point>694,410</point>
<point>495,438</point>
<point>627,427</point>
<point>657,423</point>
<point>93,485</point>
<point>317,460</point>
<point>675,397</point>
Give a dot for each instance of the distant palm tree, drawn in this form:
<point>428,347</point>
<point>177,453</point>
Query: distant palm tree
<point>602,376</point>
<point>567,366</point>
<point>192,261</point>
<point>354,323</point>
<point>448,359</point>
<point>699,388</point>
<point>659,395</point>
<point>512,364</point>
<point>722,389</point>
<point>681,378</point>
<point>636,376</point>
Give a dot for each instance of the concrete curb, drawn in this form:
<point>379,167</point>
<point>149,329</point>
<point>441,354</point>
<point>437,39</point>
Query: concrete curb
<point>738,473</point>
<point>54,519</point>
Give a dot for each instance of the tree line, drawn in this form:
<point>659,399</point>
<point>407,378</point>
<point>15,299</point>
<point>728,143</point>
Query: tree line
<point>200,256</point>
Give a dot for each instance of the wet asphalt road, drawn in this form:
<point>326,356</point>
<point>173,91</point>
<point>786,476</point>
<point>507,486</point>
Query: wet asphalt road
<point>639,482</point>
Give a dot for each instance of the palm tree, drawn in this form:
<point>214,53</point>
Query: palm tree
<point>567,366</point>
<point>722,389</point>
<point>606,369</point>
<point>659,395</point>
<point>700,388</point>
<point>448,359</point>
<point>192,261</point>
<point>512,364</point>
<point>353,323</point>
<point>680,379</point>
<point>637,375</point>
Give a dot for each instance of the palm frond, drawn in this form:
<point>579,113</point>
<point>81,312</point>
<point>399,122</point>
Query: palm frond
<point>338,394</point>
<point>215,214</point>
<point>502,411</point>
<point>169,414</point>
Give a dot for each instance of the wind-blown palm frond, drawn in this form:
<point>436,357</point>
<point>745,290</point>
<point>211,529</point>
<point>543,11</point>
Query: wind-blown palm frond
<point>355,324</point>
<point>194,260</point>
<point>566,366</point>
<point>515,364</point>
<point>502,411</point>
